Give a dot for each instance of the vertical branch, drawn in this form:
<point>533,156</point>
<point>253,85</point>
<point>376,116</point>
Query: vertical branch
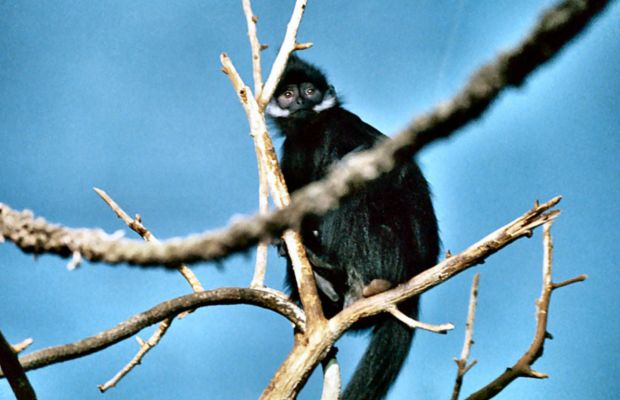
<point>523,367</point>
<point>331,378</point>
<point>281,198</point>
<point>251,21</point>
<point>461,363</point>
<point>289,44</point>
<point>260,268</point>
<point>263,191</point>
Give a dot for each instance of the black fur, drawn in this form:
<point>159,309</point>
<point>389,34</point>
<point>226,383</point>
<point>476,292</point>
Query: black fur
<point>387,231</point>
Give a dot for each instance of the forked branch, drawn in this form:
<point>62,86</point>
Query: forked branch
<point>306,354</point>
<point>523,367</point>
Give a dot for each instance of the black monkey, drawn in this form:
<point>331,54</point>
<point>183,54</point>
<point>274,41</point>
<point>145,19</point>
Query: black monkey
<point>377,238</point>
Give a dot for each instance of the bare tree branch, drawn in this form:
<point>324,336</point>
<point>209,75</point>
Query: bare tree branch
<point>136,225</point>
<point>523,367</point>
<point>268,161</point>
<point>145,347</point>
<point>14,372</point>
<point>289,44</point>
<point>269,299</point>
<point>319,339</point>
<point>415,324</point>
<point>462,366</point>
<point>557,27</point>
<point>331,378</point>
<point>21,346</point>
<point>255,45</point>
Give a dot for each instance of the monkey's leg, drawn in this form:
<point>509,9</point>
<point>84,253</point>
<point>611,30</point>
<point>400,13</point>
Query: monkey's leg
<point>376,286</point>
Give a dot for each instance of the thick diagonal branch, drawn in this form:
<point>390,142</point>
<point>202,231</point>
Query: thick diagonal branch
<point>299,364</point>
<point>556,28</point>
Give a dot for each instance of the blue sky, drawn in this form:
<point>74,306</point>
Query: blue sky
<point>129,97</point>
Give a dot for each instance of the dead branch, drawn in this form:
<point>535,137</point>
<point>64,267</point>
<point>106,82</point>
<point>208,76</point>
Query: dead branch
<point>14,372</point>
<point>523,367</point>
<point>269,299</point>
<point>145,347</point>
<point>462,365</point>
<point>415,324</point>
<point>289,44</point>
<point>331,378</point>
<point>557,27</point>
<point>263,191</point>
<point>319,339</point>
<point>136,225</point>
<point>21,346</point>
<point>268,160</point>
<point>266,155</point>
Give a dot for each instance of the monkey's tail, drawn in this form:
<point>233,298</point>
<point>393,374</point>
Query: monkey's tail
<point>382,361</point>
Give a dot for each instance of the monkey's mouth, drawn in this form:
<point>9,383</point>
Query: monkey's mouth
<point>302,113</point>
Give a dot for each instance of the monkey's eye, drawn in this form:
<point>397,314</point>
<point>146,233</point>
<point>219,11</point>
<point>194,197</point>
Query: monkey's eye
<point>288,94</point>
<point>310,91</point>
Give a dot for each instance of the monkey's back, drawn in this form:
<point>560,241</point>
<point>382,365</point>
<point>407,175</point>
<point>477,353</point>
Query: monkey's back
<point>386,231</point>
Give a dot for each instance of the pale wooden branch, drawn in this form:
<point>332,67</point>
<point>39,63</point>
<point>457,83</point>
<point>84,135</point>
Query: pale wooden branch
<point>255,44</point>
<point>137,359</point>
<point>319,339</point>
<point>268,159</point>
<point>136,225</point>
<point>331,378</point>
<point>289,44</point>
<point>14,372</point>
<point>413,323</point>
<point>523,367</point>
<point>268,299</point>
<point>21,346</point>
<point>260,267</point>
<point>462,363</point>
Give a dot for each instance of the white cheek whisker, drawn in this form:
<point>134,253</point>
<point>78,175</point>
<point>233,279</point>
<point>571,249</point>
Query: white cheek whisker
<point>328,102</point>
<point>276,111</point>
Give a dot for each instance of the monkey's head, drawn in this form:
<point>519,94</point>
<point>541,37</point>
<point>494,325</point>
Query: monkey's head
<point>303,92</point>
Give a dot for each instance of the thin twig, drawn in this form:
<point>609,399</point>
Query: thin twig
<point>137,359</point>
<point>136,225</point>
<point>462,366</point>
<point>21,346</point>
<point>523,367</point>
<point>255,45</point>
<point>289,44</point>
<point>413,324</point>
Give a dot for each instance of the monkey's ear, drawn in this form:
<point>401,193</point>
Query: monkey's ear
<point>331,90</point>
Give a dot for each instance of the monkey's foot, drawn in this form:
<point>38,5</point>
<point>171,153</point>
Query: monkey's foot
<point>376,286</point>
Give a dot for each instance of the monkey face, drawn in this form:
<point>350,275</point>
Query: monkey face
<point>299,99</point>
